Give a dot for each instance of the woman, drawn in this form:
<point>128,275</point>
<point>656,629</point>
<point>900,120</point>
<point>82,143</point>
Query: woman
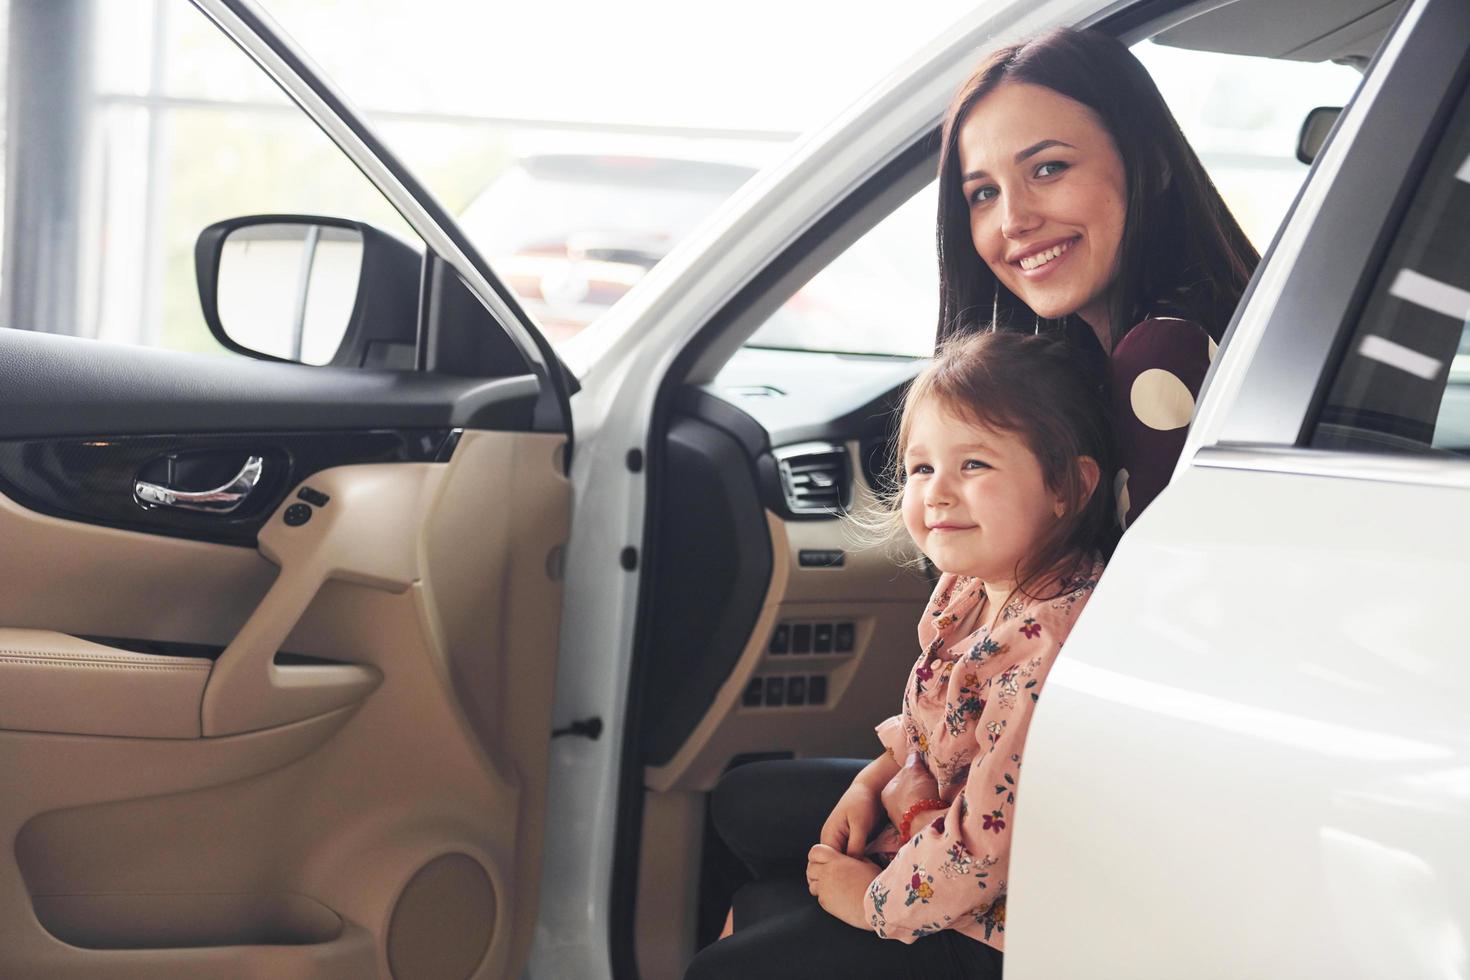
<point>1069,202</point>
<point>1062,170</point>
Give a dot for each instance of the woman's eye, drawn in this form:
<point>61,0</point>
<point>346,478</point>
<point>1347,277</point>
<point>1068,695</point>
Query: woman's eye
<point>1051,168</point>
<point>982,194</point>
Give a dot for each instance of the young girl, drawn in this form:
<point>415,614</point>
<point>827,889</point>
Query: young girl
<point>1001,446</point>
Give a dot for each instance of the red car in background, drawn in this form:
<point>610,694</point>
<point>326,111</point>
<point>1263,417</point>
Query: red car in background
<point>572,233</point>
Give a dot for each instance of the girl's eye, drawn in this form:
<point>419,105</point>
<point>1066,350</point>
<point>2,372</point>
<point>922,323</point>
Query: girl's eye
<point>1051,168</point>
<point>976,464</point>
<point>982,194</point>
<point>918,468</point>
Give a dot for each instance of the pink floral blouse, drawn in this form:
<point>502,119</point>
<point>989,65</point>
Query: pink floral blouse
<point>966,710</point>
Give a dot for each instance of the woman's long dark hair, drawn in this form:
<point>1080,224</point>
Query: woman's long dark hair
<point>1182,252</point>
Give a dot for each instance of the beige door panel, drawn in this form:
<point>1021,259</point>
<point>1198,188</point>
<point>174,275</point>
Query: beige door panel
<point>368,533</point>
<point>52,682</point>
<point>284,851</point>
<point>99,581</point>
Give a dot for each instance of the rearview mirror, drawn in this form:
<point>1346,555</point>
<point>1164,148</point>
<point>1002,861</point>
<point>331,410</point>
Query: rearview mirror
<point>1315,129</point>
<point>309,289</point>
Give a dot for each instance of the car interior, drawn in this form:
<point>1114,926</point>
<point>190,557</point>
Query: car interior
<point>771,627</point>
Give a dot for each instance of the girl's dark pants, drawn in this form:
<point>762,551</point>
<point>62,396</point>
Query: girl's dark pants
<point>770,814</point>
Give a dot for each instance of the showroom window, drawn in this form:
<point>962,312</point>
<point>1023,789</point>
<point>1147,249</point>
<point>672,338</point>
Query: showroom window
<point>132,125</point>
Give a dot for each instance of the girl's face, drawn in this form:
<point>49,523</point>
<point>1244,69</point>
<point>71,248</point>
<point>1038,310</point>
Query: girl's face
<point>974,499</point>
<point>1047,197</point>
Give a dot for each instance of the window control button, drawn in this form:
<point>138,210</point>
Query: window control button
<point>781,639</point>
<point>801,638</point>
<point>816,689</point>
<point>775,691</point>
<point>313,496</point>
<point>845,638</point>
<point>822,638</point>
<point>796,690</point>
<point>814,558</point>
<point>752,696</point>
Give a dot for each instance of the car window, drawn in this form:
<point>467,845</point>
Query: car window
<point>570,233</point>
<point>132,125</point>
<point>880,296</point>
<point>1404,383</point>
<point>1241,114</point>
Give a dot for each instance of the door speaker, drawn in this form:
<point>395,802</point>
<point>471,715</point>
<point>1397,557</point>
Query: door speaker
<point>443,921</point>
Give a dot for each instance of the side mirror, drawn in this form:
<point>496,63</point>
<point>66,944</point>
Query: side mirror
<point>1315,129</point>
<point>309,289</point>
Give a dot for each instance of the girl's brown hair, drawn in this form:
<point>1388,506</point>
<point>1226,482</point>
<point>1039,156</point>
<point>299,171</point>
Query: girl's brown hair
<point>1037,388</point>
<point>1182,251</point>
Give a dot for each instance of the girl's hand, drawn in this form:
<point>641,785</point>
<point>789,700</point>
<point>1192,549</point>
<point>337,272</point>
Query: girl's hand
<point>914,782</point>
<point>852,820</point>
<point>839,882</point>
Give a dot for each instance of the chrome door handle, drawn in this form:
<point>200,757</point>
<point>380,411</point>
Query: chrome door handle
<point>220,500</point>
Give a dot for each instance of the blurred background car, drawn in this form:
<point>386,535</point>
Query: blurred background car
<point>571,233</point>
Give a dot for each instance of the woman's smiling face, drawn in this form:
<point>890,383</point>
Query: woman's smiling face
<point>1047,197</point>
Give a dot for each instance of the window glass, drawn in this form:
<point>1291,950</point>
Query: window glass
<point>131,126</point>
<point>880,296</point>
<point>1404,384</point>
<point>1243,117</point>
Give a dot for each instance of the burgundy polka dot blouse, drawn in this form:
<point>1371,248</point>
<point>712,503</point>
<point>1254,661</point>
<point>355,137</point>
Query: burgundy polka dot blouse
<point>1153,379</point>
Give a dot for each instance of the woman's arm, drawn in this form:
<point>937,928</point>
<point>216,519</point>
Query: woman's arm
<point>1156,373</point>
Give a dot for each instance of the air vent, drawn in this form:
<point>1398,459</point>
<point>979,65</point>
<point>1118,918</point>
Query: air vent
<point>815,478</point>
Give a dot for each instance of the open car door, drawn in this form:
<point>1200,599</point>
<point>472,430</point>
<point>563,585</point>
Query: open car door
<point>277,642</point>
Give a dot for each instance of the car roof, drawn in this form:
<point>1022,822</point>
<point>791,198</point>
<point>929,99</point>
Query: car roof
<point>1304,30</point>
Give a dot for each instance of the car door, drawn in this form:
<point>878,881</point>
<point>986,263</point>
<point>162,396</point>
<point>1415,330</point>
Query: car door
<point>277,642</point>
<point>1251,760</point>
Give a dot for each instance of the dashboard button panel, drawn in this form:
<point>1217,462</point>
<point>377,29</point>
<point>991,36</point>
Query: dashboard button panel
<point>812,638</point>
